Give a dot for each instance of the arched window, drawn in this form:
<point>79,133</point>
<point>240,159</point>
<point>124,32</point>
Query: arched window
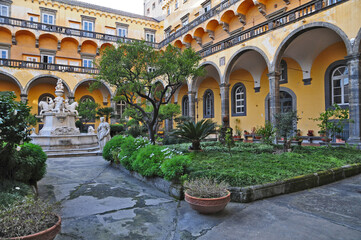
<point>239,100</point>
<point>283,68</point>
<point>87,98</point>
<point>44,97</point>
<point>120,108</point>
<point>208,104</point>
<point>185,106</point>
<point>339,85</point>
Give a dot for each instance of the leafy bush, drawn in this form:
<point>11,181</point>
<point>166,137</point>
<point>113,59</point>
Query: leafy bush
<point>149,160</point>
<point>285,126</point>
<point>27,165</point>
<point>12,191</point>
<point>116,129</point>
<point>206,188</point>
<point>129,149</point>
<point>174,168</point>
<point>266,132</point>
<point>25,218</point>
<point>113,144</point>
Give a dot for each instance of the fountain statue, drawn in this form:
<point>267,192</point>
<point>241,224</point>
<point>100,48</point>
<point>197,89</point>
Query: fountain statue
<point>59,132</point>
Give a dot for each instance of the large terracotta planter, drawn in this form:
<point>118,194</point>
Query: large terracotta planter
<point>208,205</point>
<point>48,234</point>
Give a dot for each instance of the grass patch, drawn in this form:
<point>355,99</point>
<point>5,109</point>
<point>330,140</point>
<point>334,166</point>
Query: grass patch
<point>253,164</point>
<point>12,191</point>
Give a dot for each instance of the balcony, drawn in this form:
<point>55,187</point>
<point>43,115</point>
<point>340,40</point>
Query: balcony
<point>15,22</point>
<point>46,66</point>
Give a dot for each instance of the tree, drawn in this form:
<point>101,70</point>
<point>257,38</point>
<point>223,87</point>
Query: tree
<point>285,126</point>
<point>15,120</point>
<point>87,110</point>
<point>105,112</point>
<point>134,70</point>
<point>196,132</point>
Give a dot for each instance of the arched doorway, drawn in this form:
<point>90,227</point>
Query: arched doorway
<point>288,102</point>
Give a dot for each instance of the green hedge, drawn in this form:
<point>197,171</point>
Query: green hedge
<point>112,145</point>
<point>27,165</point>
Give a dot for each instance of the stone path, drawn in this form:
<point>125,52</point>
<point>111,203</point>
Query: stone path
<point>99,202</point>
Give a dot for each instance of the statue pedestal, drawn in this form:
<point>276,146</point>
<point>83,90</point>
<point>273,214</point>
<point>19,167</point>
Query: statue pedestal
<point>59,124</point>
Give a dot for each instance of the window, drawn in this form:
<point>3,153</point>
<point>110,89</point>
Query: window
<point>208,104</point>
<point>283,68</point>
<point>32,59</point>
<point>122,32</point>
<point>48,18</point>
<point>160,1</point>
<point>339,85</point>
<point>168,11</point>
<point>88,26</point>
<point>153,5</point>
<point>185,22</point>
<point>239,100</point>
<point>207,7</point>
<point>74,25</point>
<point>88,63</point>
<point>185,106</point>
<point>176,4</point>
<point>150,37</point>
<point>110,31</point>
<point>120,108</point>
<point>148,11</point>
<point>47,58</point>
<point>4,53</point>
<point>4,10</point>
<point>34,19</point>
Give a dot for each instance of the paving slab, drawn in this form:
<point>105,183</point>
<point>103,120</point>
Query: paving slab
<point>100,202</point>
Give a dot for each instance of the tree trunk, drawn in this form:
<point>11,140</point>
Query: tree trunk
<point>285,147</point>
<point>151,133</point>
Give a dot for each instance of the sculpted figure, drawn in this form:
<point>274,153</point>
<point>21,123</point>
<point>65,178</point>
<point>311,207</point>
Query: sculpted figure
<point>46,106</point>
<point>59,104</point>
<point>71,107</point>
<point>91,130</point>
<point>103,133</point>
<point>59,85</point>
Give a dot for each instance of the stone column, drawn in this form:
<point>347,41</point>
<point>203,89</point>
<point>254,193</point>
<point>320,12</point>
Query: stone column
<point>24,98</point>
<point>224,89</point>
<point>274,95</point>
<point>192,106</point>
<point>354,68</point>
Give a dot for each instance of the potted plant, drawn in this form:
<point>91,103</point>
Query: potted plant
<point>310,133</point>
<point>332,121</point>
<point>29,219</point>
<point>265,133</point>
<point>238,136</point>
<point>207,196</point>
<point>195,132</point>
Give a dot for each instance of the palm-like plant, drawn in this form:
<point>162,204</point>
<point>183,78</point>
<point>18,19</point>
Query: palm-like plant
<point>196,132</point>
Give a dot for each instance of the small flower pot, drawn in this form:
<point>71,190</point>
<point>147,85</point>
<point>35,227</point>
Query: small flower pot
<point>47,234</point>
<point>208,205</point>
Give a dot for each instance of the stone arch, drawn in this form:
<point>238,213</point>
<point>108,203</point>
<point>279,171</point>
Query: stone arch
<point>14,79</point>
<point>357,43</point>
<point>106,88</point>
<point>33,80</point>
<point>282,89</point>
<point>5,35</point>
<point>235,57</point>
<point>195,83</point>
<point>297,32</point>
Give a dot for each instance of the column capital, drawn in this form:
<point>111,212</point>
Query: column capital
<point>274,74</point>
<point>224,85</point>
<point>356,56</point>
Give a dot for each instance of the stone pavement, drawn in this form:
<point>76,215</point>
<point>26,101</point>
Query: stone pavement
<point>99,202</point>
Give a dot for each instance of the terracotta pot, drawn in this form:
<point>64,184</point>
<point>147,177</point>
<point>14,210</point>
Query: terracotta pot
<point>208,205</point>
<point>48,234</point>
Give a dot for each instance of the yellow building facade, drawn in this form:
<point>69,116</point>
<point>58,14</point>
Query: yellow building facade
<point>260,56</point>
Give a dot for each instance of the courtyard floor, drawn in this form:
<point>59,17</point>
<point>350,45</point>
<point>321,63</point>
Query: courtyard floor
<point>99,202</point>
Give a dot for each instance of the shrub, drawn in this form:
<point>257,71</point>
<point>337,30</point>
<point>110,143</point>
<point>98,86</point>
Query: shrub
<point>12,191</point>
<point>25,218</point>
<point>113,144</point>
<point>129,150</point>
<point>174,168</point>
<point>28,165</point>
<point>266,132</point>
<point>206,188</point>
<point>116,129</point>
<point>196,132</point>
<point>148,161</point>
